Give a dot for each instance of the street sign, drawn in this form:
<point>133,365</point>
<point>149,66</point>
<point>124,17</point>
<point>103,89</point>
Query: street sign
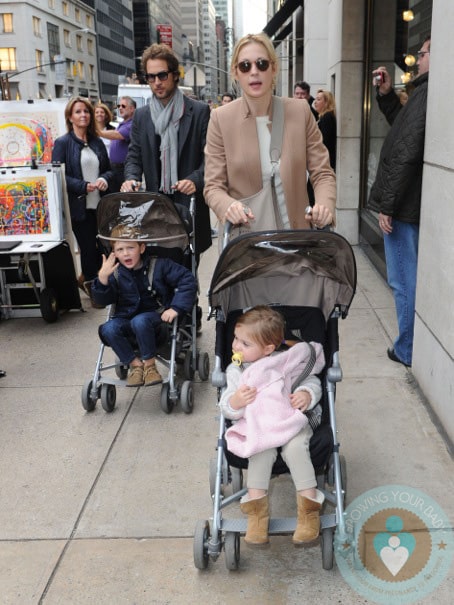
<point>194,76</point>
<point>165,34</point>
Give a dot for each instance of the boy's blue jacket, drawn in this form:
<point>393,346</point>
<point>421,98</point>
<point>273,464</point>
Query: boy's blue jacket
<point>173,284</point>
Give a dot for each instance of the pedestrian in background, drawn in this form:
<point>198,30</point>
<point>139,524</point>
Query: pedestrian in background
<point>119,141</point>
<point>103,118</point>
<point>88,174</point>
<point>396,194</point>
<point>302,90</point>
<point>326,108</point>
<point>227,97</point>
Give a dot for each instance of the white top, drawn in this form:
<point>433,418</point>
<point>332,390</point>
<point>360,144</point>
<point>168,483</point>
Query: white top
<point>89,164</point>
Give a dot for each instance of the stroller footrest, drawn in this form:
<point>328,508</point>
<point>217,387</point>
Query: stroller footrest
<point>283,525</point>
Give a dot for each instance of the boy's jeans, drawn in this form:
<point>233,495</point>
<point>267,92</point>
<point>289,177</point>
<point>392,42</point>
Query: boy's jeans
<point>401,250</point>
<point>118,333</point>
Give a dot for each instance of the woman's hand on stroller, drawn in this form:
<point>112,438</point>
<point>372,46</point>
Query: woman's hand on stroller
<point>300,400</point>
<point>237,213</point>
<point>185,186</point>
<point>109,264</point>
<point>168,315</point>
<point>319,215</point>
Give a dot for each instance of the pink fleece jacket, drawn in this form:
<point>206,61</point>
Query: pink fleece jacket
<point>270,421</point>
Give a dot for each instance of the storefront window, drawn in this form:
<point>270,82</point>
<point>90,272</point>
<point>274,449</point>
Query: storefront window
<point>395,32</point>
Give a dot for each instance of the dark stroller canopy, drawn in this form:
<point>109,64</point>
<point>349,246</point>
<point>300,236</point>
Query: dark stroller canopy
<point>145,217</point>
<point>297,268</point>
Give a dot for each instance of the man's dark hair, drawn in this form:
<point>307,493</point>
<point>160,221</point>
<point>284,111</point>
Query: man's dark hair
<point>228,94</point>
<point>304,85</point>
<point>164,52</point>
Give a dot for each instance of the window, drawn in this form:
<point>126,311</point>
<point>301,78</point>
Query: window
<point>65,8</point>
<point>81,69</point>
<point>53,39</point>
<point>77,15</point>
<point>39,60</point>
<point>90,46</point>
<point>8,59</point>
<point>36,26</point>
<point>89,21</point>
<point>79,43</point>
<point>66,37</point>
<point>6,23</point>
<point>51,3</point>
<point>91,73</point>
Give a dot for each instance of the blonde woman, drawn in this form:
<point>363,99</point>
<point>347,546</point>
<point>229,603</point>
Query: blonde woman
<point>237,161</point>
<point>103,118</point>
<point>325,106</point>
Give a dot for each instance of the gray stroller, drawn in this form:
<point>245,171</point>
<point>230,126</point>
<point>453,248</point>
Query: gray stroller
<point>168,230</point>
<point>310,277</point>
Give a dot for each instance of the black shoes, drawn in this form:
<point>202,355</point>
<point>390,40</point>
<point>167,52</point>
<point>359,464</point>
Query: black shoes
<point>394,357</point>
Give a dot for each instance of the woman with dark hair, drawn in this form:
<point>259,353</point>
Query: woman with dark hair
<point>87,171</point>
<point>325,106</point>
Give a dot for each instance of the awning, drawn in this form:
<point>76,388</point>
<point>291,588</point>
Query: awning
<point>278,20</point>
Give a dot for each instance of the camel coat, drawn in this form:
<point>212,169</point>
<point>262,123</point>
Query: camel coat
<point>232,159</point>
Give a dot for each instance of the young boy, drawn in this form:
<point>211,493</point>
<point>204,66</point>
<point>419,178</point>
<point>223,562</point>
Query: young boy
<point>268,415</point>
<point>140,307</point>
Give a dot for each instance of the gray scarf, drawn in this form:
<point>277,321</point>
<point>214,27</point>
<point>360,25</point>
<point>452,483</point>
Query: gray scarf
<point>166,122</point>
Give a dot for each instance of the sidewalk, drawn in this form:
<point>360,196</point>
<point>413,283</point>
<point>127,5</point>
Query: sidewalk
<point>100,508</point>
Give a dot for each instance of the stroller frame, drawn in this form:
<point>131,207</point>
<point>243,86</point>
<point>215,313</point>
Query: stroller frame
<point>217,534</point>
<point>182,338</point>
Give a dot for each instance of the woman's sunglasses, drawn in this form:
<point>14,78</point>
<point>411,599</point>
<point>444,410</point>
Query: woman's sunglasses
<point>246,66</point>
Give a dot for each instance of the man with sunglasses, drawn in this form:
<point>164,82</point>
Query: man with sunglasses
<point>168,139</point>
<point>120,141</point>
<point>396,194</point>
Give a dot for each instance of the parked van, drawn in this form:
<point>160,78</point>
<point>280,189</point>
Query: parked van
<point>141,92</point>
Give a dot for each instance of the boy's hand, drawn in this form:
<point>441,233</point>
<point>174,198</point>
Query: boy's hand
<point>242,397</point>
<point>300,400</point>
<point>108,266</point>
<point>169,315</point>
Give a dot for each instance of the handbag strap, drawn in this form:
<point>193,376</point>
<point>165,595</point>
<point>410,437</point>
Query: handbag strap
<point>277,133</point>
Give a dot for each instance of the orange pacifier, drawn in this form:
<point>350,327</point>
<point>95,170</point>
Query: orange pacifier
<point>237,358</point>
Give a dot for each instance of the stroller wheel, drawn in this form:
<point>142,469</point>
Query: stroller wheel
<point>232,550</point>
<point>88,401</point>
<point>200,548</point>
<point>166,402</point>
<point>120,370</point>
<point>187,397</point>
<point>326,542</point>
<point>188,367</point>
<point>203,366</point>
<point>108,397</point>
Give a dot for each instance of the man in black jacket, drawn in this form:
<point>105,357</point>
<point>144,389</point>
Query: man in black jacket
<point>168,139</point>
<point>396,194</point>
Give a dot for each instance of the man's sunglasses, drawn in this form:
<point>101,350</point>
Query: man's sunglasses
<point>162,76</point>
<point>121,106</point>
<point>246,66</point>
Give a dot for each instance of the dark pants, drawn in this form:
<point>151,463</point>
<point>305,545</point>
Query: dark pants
<point>90,251</point>
<point>117,333</point>
<point>118,177</point>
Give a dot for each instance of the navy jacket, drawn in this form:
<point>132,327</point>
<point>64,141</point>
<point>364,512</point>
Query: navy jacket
<point>67,150</point>
<point>144,158</point>
<point>173,286</point>
<point>398,184</point>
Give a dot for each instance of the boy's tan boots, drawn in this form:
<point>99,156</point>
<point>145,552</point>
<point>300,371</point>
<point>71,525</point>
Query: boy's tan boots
<point>151,375</point>
<point>308,522</point>
<point>258,520</point>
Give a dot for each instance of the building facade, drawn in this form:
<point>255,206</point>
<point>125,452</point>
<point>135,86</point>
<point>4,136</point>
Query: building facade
<point>335,44</point>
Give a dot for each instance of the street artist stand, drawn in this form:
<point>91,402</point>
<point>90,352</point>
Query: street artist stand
<point>37,273</point>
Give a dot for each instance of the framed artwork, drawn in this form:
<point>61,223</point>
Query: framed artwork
<point>28,131</point>
<point>31,205</point>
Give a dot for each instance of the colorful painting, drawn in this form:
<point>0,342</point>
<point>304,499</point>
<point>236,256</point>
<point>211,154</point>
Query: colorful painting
<point>28,131</point>
<point>30,205</point>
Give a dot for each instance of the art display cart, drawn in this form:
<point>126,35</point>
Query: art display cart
<point>37,269</point>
